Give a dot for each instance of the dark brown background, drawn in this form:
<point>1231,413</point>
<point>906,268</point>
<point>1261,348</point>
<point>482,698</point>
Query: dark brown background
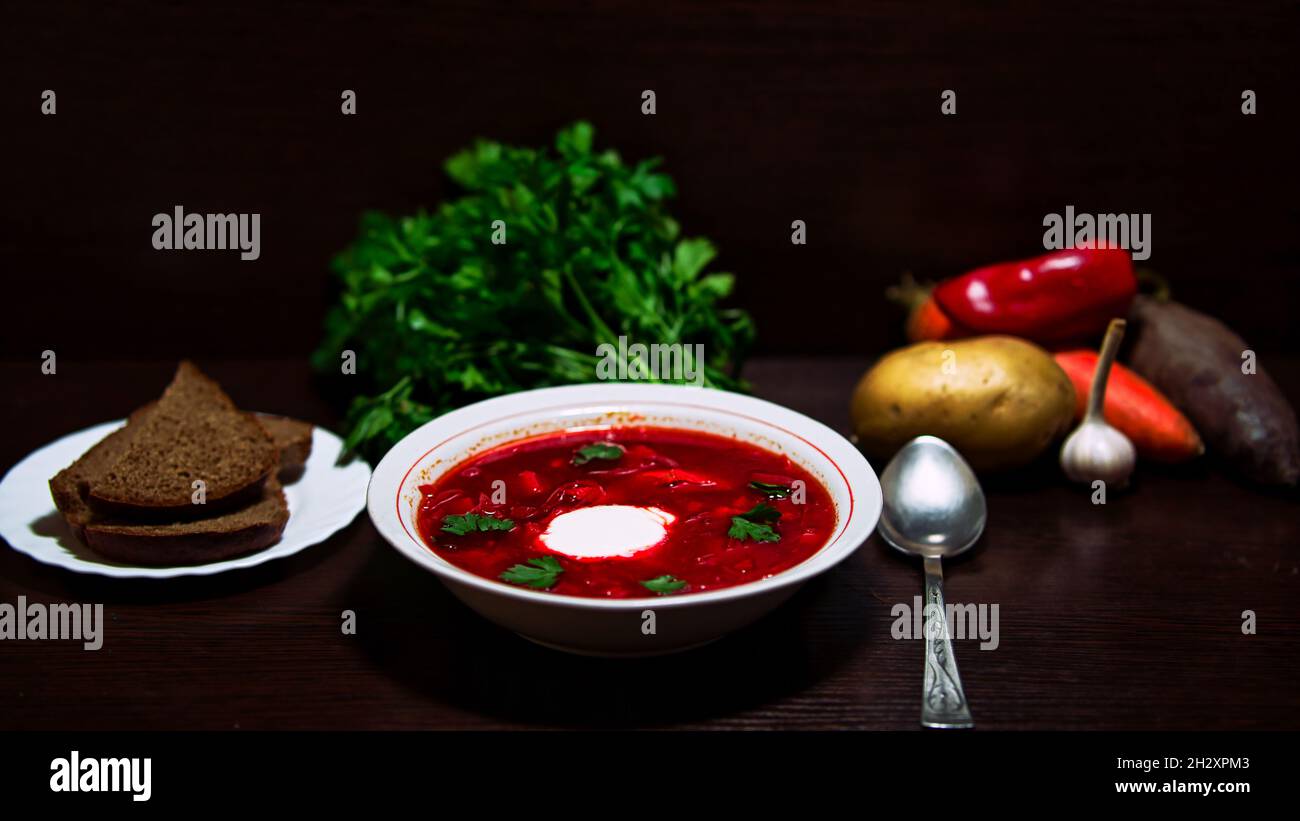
<point>1122,618</point>
<point>826,112</point>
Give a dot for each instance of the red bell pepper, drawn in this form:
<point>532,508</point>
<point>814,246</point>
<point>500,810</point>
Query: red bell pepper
<point>1056,297</point>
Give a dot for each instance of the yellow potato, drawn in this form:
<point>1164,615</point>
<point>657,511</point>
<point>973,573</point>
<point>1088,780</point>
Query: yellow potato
<point>999,400</point>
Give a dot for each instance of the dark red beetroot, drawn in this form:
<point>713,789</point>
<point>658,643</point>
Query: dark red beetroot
<point>700,478</point>
<point>1196,361</point>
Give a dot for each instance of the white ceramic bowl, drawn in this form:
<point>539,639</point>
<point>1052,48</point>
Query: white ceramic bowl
<point>621,627</point>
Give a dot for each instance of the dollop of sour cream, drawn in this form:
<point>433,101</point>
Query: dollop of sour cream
<point>607,531</point>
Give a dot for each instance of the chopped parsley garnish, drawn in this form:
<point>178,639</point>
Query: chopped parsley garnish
<point>539,573</point>
<point>742,529</point>
<point>461,525</point>
<point>663,585</point>
<point>771,491</point>
<point>754,524</point>
<point>598,450</point>
<point>761,512</point>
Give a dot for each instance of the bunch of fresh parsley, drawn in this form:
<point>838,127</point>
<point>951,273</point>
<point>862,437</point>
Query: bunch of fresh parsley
<point>439,315</point>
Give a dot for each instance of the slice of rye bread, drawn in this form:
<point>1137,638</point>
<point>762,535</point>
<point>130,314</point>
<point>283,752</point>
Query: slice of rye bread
<point>194,431</point>
<point>222,535</point>
<point>69,486</point>
<point>244,530</point>
<point>194,541</point>
<point>292,439</point>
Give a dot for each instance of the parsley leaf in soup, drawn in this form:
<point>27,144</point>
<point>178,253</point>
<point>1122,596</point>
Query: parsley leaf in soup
<point>599,450</point>
<point>540,573</point>
<point>754,524</point>
<point>761,512</point>
<point>742,529</point>
<point>461,525</point>
<point>770,490</point>
<point>663,585</point>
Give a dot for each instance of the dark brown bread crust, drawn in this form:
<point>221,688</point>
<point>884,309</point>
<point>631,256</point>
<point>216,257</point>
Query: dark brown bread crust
<point>224,536</point>
<point>195,512</point>
<point>69,486</point>
<point>187,549</point>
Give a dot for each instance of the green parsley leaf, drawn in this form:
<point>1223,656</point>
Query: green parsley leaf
<point>771,491</point>
<point>598,450</point>
<point>440,313</point>
<point>663,585</point>
<point>459,525</point>
<point>540,573</point>
<point>761,512</point>
<point>742,529</point>
<point>753,524</point>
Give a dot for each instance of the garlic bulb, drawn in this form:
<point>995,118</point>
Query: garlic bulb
<point>1096,450</point>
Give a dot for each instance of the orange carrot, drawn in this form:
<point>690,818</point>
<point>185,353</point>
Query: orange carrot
<point>925,319</point>
<point>928,321</point>
<point>1157,429</point>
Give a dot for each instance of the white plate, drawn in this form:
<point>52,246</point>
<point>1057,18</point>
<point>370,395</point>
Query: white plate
<point>322,501</point>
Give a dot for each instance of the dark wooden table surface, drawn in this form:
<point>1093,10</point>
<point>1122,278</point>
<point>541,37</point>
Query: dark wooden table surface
<point>1122,616</point>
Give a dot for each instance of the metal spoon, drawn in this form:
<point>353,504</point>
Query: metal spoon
<point>934,508</point>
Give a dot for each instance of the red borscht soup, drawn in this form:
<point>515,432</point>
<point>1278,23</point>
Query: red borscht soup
<point>626,512</point>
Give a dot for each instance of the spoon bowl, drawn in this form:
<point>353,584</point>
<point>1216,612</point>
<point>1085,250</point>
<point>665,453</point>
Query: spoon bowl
<point>933,505</point>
